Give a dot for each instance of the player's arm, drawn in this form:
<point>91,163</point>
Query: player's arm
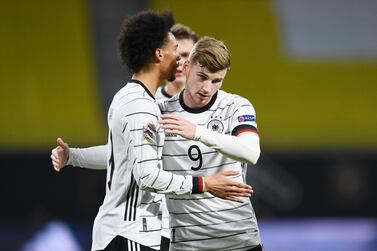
<point>149,174</point>
<point>92,157</point>
<point>242,144</point>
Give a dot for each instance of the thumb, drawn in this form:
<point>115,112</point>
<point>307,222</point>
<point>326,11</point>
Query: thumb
<point>61,143</point>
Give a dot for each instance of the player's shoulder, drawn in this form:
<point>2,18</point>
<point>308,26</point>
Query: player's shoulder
<point>169,105</point>
<point>232,99</point>
<point>134,97</point>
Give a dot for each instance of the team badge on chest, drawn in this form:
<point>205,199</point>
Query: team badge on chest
<point>215,125</point>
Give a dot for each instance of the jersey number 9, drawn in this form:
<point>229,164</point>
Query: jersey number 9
<point>195,154</point>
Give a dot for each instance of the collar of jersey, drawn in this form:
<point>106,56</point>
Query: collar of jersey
<point>163,91</point>
<point>141,83</point>
<point>196,110</point>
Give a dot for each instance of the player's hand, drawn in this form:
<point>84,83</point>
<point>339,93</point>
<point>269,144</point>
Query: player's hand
<point>60,154</point>
<point>178,125</point>
<point>221,186</point>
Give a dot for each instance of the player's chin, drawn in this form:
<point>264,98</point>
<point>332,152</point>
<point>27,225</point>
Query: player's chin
<point>171,78</point>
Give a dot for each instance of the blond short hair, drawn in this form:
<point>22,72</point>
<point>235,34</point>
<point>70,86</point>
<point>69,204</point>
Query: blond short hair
<point>211,54</point>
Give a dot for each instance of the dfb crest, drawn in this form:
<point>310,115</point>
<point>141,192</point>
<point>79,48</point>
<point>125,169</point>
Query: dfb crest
<point>215,125</point>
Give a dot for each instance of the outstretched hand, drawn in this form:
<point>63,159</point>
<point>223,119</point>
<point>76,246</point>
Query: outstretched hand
<point>178,125</point>
<point>60,154</point>
<point>221,186</point>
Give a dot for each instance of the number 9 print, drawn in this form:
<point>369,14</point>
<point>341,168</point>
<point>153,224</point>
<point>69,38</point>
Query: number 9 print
<point>195,154</point>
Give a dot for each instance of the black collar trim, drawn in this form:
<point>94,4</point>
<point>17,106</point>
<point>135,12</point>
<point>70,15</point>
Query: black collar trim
<point>197,110</point>
<point>141,83</point>
<point>163,91</point>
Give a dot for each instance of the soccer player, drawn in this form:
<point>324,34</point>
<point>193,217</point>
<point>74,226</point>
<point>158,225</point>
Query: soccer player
<point>129,216</point>
<point>186,38</point>
<point>208,130</point>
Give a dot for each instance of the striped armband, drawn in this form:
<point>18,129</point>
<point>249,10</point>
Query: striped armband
<point>240,129</point>
<point>198,185</point>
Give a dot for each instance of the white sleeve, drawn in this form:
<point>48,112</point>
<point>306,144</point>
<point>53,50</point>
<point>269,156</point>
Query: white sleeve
<point>243,148</point>
<point>92,157</point>
<point>147,169</point>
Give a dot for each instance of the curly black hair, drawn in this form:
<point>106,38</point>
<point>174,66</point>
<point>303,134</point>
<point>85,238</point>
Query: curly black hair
<point>141,35</point>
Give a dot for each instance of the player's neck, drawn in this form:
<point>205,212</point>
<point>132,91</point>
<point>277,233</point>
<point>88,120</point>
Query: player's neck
<point>149,79</point>
<point>172,88</point>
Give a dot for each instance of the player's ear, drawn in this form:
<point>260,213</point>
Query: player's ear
<point>186,66</point>
<point>158,55</point>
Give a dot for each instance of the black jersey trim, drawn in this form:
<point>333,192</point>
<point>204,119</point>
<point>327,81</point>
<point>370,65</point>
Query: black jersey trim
<point>146,160</point>
<point>244,128</point>
<point>197,110</point>
<point>141,83</point>
<point>135,113</point>
<point>129,198</point>
<point>164,92</point>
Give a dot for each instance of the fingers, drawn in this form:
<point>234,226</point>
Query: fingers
<point>55,163</point>
<point>169,121</point>
<point>171,127</point>
<point>237,191</point>
<point>229,173</point>
<point>57,158</point>
<point>238,194</point>
<point>61,143</point>
<point>169,116</point>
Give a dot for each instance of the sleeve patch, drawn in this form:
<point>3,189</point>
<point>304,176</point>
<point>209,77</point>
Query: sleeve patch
<point>149,132</point>
<point>246,118</point>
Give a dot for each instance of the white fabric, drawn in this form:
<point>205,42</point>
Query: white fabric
<point>130,208</point>
<point>92,157</point>
<point>244,148</point>
<point>201,221</point>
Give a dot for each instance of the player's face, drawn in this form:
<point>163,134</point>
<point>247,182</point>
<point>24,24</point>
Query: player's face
<point>201,84</point>
<point>184,48</point>
<point>171,57</point>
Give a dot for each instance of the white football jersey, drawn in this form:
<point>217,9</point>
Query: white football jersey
<point>160,96</point>
<point>131,208</point>
<point>202,221</point>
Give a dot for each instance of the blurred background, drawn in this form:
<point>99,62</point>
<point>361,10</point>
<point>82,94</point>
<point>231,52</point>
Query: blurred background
<point>308,67</point>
